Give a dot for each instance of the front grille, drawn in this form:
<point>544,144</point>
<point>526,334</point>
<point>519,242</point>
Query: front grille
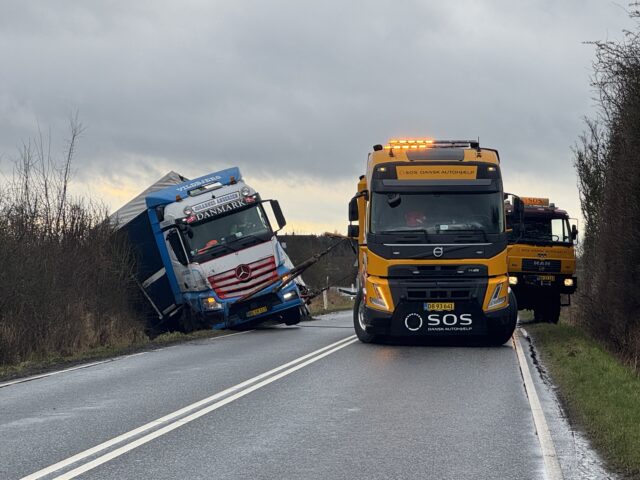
<point>228,285</point>
<point>439,294</point>
<point>539,265</point>
<point>438,290</point>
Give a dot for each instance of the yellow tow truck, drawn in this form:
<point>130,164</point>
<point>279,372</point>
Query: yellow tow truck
<point>542,258</point>
<point>432,242</point>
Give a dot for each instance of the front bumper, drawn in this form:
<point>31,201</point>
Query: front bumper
<point>551,282</point>
<point>261,307</point>
<point>412,320</point>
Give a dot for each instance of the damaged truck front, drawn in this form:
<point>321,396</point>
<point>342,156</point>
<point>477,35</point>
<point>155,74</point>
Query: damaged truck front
<point>207,254</point>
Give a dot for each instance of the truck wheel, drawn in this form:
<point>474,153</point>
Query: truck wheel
<point>553,309</point>
<point>539,314</point>
<point>500,334</point>
<point>358,321</point>
<point>293,317</point>
<point>190,321</point>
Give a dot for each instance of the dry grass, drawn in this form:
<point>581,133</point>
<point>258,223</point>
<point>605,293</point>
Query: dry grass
<point>65,282</point>
<point>336,302</point>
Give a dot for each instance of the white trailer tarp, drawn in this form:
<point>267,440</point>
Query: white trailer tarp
<point>137,205</point>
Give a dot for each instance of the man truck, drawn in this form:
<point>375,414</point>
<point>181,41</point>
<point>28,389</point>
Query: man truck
<point>207,253</point>
<point>542,258</point>
<point>432,243</point>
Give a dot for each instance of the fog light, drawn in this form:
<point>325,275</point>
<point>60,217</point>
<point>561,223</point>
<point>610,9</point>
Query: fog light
<point>513,280</point>
<point>378,300</point>
<point>289,295</point>
<point>210,303</point>
<point>568,282</point>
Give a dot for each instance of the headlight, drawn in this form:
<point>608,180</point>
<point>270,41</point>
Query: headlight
<point>377,298</point>
<point>210,303</point>
<point>568,282</point>
<point>513,280</point>
<point>289,295</point>
<point>497,298</point>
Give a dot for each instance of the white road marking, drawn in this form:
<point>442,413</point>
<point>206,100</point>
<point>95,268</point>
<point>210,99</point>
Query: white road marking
<point>48,374</point>
<point>551,463</point>
<point>237,391</point>
<point>93,364</point>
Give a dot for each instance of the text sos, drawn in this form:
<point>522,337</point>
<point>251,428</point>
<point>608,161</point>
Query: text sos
<point>449,319</point>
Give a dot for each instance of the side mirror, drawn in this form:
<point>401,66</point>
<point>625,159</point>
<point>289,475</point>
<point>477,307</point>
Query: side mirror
<point>518,209</point>
<point>277,211</point>
<point>353,209</point>
<point>353,231</point>
<point>574,232</point>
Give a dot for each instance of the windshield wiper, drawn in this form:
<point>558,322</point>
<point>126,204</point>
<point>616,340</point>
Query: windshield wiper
<point>208,249</point>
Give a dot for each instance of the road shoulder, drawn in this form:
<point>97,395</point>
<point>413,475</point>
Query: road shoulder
<point>592,400</point>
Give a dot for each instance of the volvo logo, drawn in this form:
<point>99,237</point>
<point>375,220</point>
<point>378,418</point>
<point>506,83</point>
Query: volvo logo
<point>438,251</point>
<point>243,272</point>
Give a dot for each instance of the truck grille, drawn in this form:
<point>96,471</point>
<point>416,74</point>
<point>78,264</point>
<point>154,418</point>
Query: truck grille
<point>534,265</point>
<point>244,278</point>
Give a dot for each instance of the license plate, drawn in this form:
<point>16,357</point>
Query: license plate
<point>440,306</point>
<point>256,311</point>
<point>546,278</point>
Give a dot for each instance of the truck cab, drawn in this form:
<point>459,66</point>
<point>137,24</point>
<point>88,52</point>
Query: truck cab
<point>432,243</point>
<point>542,259</point>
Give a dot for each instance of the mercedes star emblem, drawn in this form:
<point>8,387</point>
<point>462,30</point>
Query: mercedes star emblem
<point>243,272</point>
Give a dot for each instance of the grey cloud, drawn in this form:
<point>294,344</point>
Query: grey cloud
<point>300,87</point>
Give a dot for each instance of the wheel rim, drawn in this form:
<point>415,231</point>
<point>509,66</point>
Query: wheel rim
<point>361,317</point>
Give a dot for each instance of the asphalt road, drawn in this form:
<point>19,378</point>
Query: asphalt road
<point>348,411</point>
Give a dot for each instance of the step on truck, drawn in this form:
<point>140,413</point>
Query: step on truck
<point>207,253</point>
<point>432,243</point>
<point>542,258</point>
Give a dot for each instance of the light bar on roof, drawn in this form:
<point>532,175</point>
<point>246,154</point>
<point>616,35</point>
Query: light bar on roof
<point>409,144</point>
<point>406,144</point>
<point>535,201</point>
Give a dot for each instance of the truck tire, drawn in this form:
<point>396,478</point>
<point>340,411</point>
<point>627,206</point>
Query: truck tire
<point>293,317</point>
<point>553,309</point>
<point>190,321</point>
<point>538,312</point>
<point>500,334</point>
<point>358,321</point>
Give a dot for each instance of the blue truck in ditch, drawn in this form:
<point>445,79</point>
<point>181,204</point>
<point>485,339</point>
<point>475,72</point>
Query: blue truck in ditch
<point>207,254</point>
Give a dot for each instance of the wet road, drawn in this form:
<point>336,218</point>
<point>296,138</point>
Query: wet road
<point>285,402</point>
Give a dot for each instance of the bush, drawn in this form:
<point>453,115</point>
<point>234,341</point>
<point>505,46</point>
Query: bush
<point>607,161</point>
<point>65,282</point>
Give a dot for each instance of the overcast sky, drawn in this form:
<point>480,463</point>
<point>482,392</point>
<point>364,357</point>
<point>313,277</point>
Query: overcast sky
<point>295,93</point>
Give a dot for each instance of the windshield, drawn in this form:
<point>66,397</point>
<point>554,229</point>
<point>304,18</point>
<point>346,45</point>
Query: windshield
<point>250,223</point>
<point>548,230</point>
<point>437,213</point>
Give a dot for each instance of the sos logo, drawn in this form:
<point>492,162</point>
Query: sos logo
<point>449,320</point>
<point>414,321</point>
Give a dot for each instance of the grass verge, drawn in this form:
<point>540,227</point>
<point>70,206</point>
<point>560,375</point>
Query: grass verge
<point>35,367</point>
<point>600,394</point>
